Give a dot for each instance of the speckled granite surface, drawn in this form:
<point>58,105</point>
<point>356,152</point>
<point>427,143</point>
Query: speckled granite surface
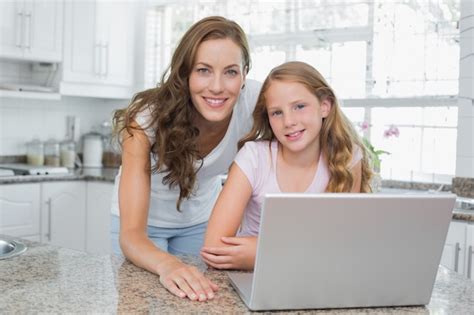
<point>48,279</point>
<point>463,186</point>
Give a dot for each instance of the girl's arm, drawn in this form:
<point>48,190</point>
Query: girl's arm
<point>134,195</point>
<point>221,250</point>
<point>356,171</point>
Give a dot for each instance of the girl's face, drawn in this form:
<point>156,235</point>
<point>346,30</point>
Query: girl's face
<point>295,115</point>
<point>216,79</point>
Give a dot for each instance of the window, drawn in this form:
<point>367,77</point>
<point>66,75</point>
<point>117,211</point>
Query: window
<point>391,63</point>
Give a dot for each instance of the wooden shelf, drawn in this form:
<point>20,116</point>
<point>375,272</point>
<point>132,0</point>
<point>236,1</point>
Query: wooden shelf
<point>30,95</point>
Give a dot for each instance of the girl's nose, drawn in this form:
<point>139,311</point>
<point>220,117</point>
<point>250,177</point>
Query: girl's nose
<point>216,85</point>
<point>289,120</point>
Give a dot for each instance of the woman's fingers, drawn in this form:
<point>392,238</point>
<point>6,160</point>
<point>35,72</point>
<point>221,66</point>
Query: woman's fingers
<point>183,280</point>
<point>173,288</point>
<point>217,259</point>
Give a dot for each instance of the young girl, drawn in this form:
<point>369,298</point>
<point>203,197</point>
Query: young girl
<point>300,142</point>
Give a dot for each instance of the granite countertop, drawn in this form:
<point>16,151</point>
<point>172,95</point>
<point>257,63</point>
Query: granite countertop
<point>48,279</point>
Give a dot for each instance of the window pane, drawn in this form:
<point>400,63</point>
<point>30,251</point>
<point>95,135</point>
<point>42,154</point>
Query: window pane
<point>416,48</point>
<point>264,59</point>
<point>425,145</point>
<point>331,14</point>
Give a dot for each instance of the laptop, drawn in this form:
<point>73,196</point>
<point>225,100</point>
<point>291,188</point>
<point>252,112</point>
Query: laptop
<point>319,251</point>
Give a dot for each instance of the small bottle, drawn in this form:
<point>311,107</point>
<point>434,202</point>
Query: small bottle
<point>35,152</point>
<point>68,153</point>
<point>51,153</point>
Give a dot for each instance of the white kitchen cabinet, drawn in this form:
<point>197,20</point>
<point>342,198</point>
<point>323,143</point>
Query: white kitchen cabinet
<point>31,30</point>
<point>455,247</point>
<point>20,210</point>
<point>99,198</point>
<point>63,210</point>
<point>99,49</point>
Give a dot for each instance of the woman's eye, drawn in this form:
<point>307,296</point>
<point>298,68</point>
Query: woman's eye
<point>232,72</point>
<point>300,106</point>
<point>202,70</point>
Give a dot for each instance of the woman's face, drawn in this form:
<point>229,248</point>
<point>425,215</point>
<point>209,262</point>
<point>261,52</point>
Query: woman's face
<point>216,79</point>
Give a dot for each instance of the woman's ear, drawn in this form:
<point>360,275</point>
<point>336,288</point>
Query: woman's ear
<point>325,108</point>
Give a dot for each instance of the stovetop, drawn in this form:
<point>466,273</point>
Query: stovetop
<point>26,169</point>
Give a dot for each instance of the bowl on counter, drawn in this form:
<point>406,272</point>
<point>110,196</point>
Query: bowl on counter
<point>11,248</point>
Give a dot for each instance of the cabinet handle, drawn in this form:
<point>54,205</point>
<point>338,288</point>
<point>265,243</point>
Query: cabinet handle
<point>456,256</point>
<point>49,219</point>
<point>19,29</point>
<point>28,30</point>
<point>106,59</point>
<point>469,262</point>
<point>98,57</point>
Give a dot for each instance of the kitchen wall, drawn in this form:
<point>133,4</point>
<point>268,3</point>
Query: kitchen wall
<point>465,142</point>
<point>24,119</point>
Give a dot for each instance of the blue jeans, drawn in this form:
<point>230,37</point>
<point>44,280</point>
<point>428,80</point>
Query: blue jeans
<point>176,241</point>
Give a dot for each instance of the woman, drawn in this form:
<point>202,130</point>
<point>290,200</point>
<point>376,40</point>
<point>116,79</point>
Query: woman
<point>176,140</point>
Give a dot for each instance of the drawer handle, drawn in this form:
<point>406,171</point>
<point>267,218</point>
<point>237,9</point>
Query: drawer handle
<point>456,256</point>
<point>469,262</point>
<point>49,219</point>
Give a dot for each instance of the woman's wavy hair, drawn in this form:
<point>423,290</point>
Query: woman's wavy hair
<point>175,150</point>
<point>337,136</point>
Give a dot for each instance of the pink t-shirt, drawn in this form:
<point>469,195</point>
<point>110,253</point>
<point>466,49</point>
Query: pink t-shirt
<point>258,162</point>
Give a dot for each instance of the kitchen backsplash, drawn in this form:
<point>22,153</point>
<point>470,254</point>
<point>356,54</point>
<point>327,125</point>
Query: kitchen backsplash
<point>24,119</point>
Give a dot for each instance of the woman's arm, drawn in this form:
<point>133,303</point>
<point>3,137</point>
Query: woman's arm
<point>221,250</point>
<point>356,171</point>
<point>134,195</point>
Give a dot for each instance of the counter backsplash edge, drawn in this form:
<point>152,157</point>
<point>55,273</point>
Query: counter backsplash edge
<point>461,186</point>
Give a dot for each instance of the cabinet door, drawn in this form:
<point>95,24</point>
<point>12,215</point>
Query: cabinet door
<point>20,210</point>
<point>43,30</point>
<point>11,29</point>
<point>64,214</point>
<point>81,50</point>
<point>116,40</point>
<point>99,198</point>
<point>454,247</point>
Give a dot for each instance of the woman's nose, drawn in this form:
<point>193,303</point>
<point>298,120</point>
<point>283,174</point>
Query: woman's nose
<point>216,85</point>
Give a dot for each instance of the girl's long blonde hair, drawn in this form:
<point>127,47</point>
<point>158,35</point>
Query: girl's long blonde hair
<point>337,136</point>
<point>176,150</point>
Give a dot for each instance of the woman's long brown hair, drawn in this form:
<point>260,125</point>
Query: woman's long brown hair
<point>175,150</point>
<point>337,136</point>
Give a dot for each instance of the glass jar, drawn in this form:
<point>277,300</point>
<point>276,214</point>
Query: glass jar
<point>51,153</point>
<point>68,153</point>
<point>35,152</point>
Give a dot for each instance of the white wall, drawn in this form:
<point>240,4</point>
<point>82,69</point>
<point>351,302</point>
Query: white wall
<point>465,142</point>
<point>24,119</point>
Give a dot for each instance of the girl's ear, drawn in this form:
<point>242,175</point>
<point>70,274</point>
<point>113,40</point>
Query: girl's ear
<point>325,107</point>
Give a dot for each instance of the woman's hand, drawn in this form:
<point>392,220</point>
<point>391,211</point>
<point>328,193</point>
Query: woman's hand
<point>239,254</point>
<point>183,280</point>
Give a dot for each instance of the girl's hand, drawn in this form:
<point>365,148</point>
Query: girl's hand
<point>183,280</point>
<point>240,254</point>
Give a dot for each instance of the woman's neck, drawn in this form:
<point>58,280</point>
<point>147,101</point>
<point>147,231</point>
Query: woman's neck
<point>210,133</point>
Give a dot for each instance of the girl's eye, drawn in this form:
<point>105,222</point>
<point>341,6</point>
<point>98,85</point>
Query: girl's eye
<point>276,113</point>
